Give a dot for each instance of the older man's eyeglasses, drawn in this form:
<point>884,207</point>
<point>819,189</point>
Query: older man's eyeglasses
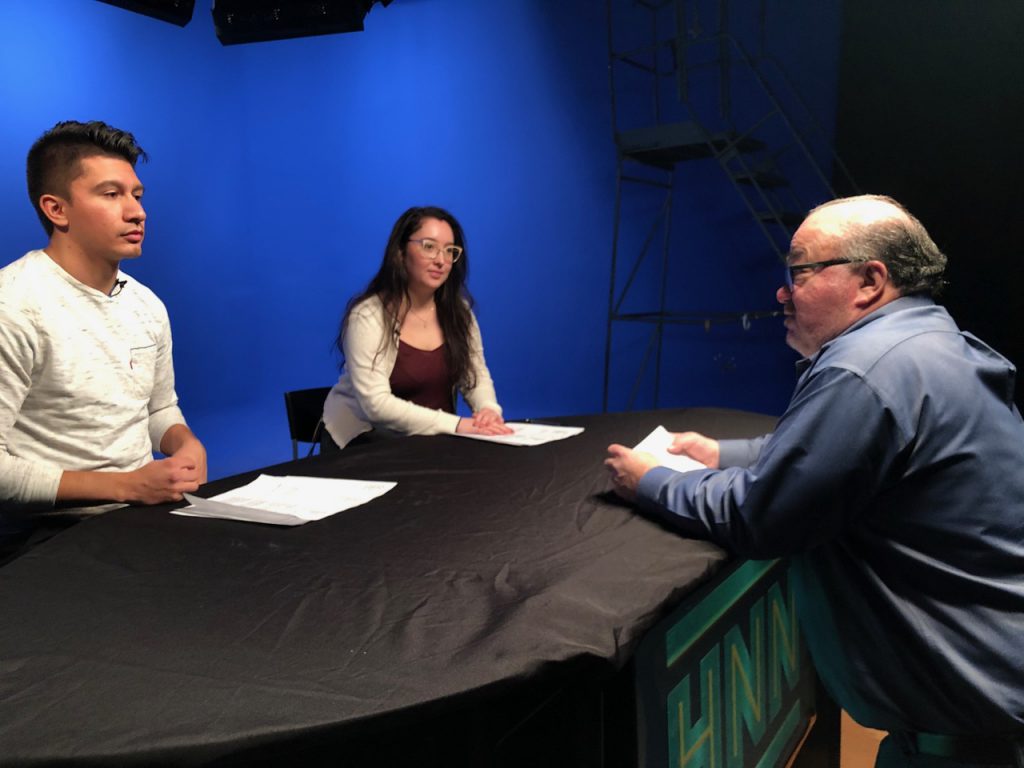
<point>793,270</point>
<point>431,249</point>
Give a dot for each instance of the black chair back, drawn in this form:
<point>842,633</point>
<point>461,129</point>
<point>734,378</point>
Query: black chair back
<point>305,407</point>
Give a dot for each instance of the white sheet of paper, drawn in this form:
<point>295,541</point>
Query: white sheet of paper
<point>657,444</point>
<point>288,500</point>
<point>524,433</point>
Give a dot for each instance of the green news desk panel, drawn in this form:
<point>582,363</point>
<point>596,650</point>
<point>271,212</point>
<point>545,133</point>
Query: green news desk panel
<point>498,607</point>
<point>725,681</point>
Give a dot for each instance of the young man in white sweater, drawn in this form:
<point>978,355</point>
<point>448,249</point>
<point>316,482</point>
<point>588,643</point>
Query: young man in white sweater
<point>86,376</point>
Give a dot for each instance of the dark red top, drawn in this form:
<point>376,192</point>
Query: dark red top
<point>422,377</point>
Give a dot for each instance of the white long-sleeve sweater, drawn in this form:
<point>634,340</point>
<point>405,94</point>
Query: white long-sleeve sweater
<point>86,379</point>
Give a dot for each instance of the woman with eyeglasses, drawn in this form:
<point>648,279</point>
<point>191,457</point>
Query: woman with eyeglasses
<point>410,340</point>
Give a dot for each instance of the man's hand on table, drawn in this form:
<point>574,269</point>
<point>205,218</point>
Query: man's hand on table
<point>697,446</point>
<point>626,467</point>
<point>164,480</point>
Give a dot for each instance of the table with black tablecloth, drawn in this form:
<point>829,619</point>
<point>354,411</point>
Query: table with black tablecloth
<point>429,625</point>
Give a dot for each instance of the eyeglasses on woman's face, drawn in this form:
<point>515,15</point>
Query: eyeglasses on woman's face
<point>431,249</point>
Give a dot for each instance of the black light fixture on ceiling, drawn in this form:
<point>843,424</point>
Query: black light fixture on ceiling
<point>175,11</point>
<point>252,21</point>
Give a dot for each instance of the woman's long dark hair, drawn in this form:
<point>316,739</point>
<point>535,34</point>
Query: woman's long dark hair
<point>391,286</point>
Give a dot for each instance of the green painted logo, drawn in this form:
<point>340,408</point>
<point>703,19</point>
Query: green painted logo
<point>740,689</point>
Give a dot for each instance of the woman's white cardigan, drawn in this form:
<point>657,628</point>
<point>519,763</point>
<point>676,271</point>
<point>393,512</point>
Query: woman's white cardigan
<point>362,398</point>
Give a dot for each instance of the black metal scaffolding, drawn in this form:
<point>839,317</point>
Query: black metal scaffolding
<point>681,92</point>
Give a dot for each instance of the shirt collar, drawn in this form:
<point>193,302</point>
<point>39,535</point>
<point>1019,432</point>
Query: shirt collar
<point>896,305</point>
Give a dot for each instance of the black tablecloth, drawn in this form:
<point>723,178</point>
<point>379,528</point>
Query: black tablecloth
<point>143,637</point>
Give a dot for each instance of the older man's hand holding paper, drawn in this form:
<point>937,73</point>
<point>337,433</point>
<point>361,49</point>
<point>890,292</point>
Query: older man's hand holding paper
<point>683,452</point>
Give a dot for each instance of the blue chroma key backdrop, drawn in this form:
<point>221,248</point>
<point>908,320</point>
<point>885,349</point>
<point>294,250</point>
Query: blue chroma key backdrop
<point>277,168</point>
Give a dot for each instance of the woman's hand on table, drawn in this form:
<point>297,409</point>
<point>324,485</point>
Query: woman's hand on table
<point>483,422</point>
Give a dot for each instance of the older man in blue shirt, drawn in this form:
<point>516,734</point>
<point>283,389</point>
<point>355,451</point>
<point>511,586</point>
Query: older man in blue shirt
<point>895,480</point>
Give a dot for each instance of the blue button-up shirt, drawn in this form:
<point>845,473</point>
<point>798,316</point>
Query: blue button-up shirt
<point>895,479</point>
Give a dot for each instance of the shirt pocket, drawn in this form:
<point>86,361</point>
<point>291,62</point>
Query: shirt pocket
<point>141,370</point>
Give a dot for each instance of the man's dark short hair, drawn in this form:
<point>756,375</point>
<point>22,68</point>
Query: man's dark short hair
<point>55,160</point>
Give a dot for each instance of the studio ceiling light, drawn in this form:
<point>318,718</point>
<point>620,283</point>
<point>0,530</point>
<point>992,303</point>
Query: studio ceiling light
<point>253,21</point>
<point>175,11</point>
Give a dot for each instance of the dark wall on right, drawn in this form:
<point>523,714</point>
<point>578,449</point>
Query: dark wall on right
<point>931,112</point>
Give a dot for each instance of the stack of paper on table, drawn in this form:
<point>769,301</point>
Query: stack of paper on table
<point>289,500</point>
<point>532,433</point>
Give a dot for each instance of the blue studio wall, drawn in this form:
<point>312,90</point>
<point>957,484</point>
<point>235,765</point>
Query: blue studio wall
<point>276,170</point>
